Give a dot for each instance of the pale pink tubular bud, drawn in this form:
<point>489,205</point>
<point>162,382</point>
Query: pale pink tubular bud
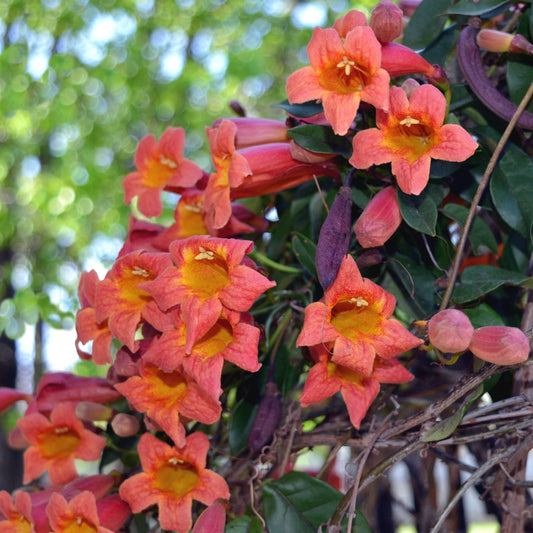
<point>99,484</point>
<point>256,131</point>
<point>212,520</point>
<point>379,219</point>
<point>125,425</point>
<point>501,345</point>
<point>386,21</point>
<point>93,411</point>
<point>500,41</point>
<point>450,331</point>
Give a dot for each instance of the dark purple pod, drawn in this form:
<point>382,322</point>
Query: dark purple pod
<point>267,418</point>
<point>334,238</point>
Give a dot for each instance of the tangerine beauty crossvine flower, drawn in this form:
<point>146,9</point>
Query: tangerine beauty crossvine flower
<point>344,70</point>
<point>410,135</point>
<point>172,478</point>
<point>160,165</point>
<point>15,514</point>
<point>55,443</point>
<point>327,378</point>
<point>355,316</point>
<point>210,274</point>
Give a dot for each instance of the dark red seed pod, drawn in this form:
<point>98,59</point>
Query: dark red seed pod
<point>334,238</point>
<point>267,418</point>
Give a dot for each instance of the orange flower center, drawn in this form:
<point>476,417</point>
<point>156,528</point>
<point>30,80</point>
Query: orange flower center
<point>191,219</point>
<point>410,137</point>
<point>79,524</point>
<point>176,476</point>
<point>19,524</point>
<point>345,76</point>
<point>356,318</point>
<point>59,442</point>
<point>159,172</point>
<point>215,340</point>
<point>129,285</point>
<point>206,274</point>
<point>169,387</point>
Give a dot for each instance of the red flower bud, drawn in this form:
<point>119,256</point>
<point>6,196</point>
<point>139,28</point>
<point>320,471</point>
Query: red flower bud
<point>450,331</point>
<point>125,425</point>
<point>386,21</point>
<point>93,411</point>
<point>500,345</point>
<point>379,219</point>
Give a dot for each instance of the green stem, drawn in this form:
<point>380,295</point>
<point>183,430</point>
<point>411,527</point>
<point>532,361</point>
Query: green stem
<point>258,256</point>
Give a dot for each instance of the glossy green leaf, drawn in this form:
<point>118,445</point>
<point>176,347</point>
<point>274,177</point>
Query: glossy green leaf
<point>244,524</point>
<point>240,424</point>
<point>481,236</point>
<point>471,8</point>
<point>443,429</point>
<point>306,110</point>
<point>419,212</point>
<point>304,250</point>
<point>483,315</point>
<point>426,24</point>
<point>301,503</point>
<point>320,139</point>
<point>511,194</point>
<point>476,281</point>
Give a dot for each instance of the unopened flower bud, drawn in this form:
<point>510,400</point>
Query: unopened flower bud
<point>450,331</point>
<point>500,41</point>
<point>306,156</point>
<point>379,219</point>
<point>212,520</point>
<point>125,425</point>
<point>112,512</point>
<point>9,396</point>
<point>409,85</point>
<point>93,411</point>
<point>500,345</point>
<point>386,21</point>
<point>16,439</point>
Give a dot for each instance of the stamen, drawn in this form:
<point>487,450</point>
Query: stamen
<point>205,254</point>
<point>79,520</point>
<point>195,208</point>
<point>175,461</point>
<point>346,64</point>
<point>61,430</point>
<point>359,301</point>
<point>167,162</point>
<point>138,271</point>
<point>409,121</point>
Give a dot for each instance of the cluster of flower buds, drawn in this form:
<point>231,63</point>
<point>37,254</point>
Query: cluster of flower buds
<point>451,331</point>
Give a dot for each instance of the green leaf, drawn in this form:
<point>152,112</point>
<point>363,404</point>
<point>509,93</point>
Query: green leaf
<point>471,8</point>
<point>308,109</point>
<point>446,427</point>
<point>320,139</point>
<point>419,212</point>
<point>304,250</point>
<point>484,315</point>
<point>301,503</point>
<point>511,194</point>
<point>240,424</point>
<point>244,524</point>
<point>481,236</point>
<point>426,23</point>
<point>476,281</point>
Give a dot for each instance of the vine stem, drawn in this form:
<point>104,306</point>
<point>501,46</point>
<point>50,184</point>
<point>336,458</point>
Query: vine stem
<point>477,197</point>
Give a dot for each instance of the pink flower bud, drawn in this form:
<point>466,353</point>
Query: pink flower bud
<point>500,41</point>
<point>500,345</point>
<point>113,512</point>
<point>450,331</point>
<point>16,439</point>
<point>379,219</point>
<point>125,425</point>
<point>386,21</point>
<point>93,411</point>
<point>9,396</point>
<point>256,131</point>
<point>212,520</point>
